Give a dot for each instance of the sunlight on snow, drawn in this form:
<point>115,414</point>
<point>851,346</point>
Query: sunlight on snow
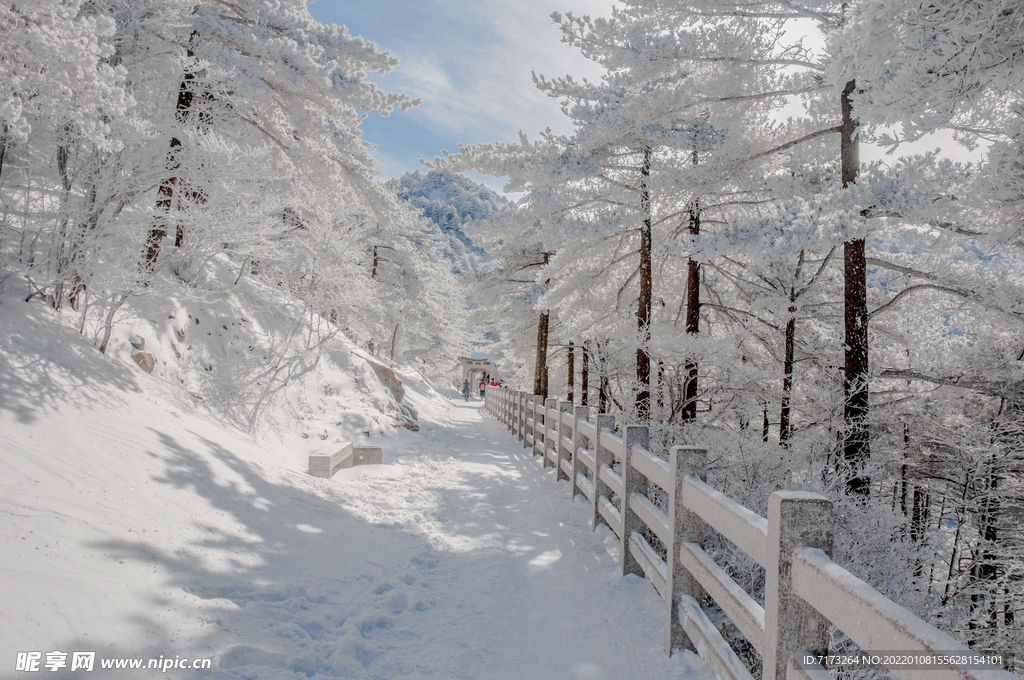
<point>546,559</point>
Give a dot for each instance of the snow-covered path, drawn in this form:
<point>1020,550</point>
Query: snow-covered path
<point>468,564</point>
<point>503,579</point>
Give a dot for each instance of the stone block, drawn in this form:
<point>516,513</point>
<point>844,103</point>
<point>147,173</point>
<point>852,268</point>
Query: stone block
<point>367,455</point>
<point>341,455</point>
<point>328,461</point>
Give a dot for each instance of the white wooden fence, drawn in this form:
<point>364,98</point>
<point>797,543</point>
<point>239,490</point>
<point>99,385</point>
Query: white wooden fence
<point>805,591</point>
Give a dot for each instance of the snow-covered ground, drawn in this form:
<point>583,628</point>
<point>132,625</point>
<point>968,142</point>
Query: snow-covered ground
<point>136,522</point>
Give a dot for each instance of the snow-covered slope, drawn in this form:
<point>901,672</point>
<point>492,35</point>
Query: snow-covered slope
<point>141,521</point>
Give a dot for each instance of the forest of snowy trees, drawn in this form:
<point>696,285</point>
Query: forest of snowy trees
<point>704,252</point>
<point>142,137</point>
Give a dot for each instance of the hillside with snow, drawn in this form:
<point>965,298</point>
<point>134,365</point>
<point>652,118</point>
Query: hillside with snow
<point>142,520</point>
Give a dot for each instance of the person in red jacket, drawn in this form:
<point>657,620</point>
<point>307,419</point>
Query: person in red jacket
<point>482,387</point>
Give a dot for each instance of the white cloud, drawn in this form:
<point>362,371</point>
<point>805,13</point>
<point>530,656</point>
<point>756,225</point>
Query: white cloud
<point>470,62</point>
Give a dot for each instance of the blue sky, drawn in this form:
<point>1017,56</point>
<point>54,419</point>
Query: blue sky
<point>470,62</point>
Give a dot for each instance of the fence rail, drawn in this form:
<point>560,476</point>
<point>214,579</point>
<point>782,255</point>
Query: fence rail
<point>614,469</point>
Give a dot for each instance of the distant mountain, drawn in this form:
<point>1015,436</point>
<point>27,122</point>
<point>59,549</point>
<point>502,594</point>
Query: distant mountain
<point>450,200</point>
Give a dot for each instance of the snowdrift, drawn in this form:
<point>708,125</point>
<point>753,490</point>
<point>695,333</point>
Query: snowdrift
<point>111,473</point>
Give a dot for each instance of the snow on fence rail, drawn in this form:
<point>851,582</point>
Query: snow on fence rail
<point>804,592</point>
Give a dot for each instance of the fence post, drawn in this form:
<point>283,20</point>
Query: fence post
<point>538,423</point>
<point>540,428</point>
<point>603,421</point>
<point>581,413</point>
<point>686,527</point>
<point>550,411</point>
<point>632,482</point>
<point>508,408</point>
<point>795,519</point>
<point>519,416</point>
<point>528,430</point>
<point>513,422</point>
<point>564,431</point>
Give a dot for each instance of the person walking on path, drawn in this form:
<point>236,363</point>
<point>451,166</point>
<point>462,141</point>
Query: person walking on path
<point>465,389</point>
<point>483,386</point>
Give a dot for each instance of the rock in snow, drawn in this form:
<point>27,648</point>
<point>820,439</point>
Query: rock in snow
<point>145,360</point>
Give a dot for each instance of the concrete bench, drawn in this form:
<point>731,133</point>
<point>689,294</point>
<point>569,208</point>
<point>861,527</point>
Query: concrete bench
<point>343,455</point>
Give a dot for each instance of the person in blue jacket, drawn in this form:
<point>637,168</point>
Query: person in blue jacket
<point>465,389</point>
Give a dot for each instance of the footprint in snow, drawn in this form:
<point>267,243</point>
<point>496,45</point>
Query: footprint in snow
<point>398,603</point>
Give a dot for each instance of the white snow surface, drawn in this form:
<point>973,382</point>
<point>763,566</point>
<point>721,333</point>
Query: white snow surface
<point>135,522</point>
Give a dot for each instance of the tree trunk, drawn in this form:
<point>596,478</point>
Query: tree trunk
<point>78,284</point>
<point>856,440</point>
<point>62,240</point>
<point>916,515</point>
<point>542,353</point>
<point>585,374</point>
<point>186,96</point>
<point>785,428</point>
<point>571,372</point>
<point>689,410</point>
<point>3,148</point>
<point>903,469</point>
<point>764,423</point>
<point>643,308</point>
<point>989,568</point>
<point>661,390</point>
<point>986,568</point>
<point>108,323</point>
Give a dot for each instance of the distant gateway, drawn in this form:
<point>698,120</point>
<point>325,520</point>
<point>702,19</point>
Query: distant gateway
<point>474,370</point>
